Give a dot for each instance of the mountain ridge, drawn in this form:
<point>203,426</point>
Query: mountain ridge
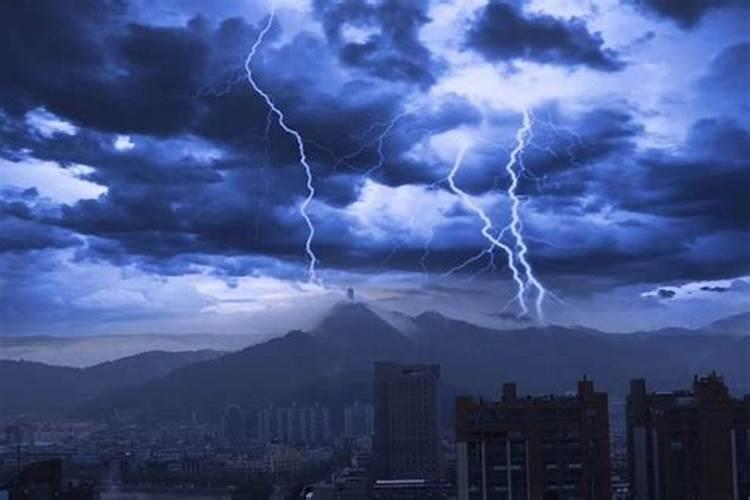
<point>89,350</point>
<point>333,363</point>
<point>736,324</point>
<point>35,387</point>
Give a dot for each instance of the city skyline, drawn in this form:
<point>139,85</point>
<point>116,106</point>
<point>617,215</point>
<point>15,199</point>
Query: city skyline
<point>683,441</point>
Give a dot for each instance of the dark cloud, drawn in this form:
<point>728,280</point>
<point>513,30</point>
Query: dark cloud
<point>166,221</point>
<point>391,48</point>
<point>181,83</point>
<point>678,214</point>
<point>501,32</point>
<point>23,224</point>
<point>180,91</point>
<point>559,163</point>
<point>19,233</point>
<point>717,289</point>
<point>113,77</point>
<point>728,74</point>
<point>15,209</point>
<point>563,150</point>
<point>688,211</point>
<point>87,64</point>
<point>688,190</point>
<point>724,139</point>
<point>106,73</point>
<point>400,168</point>
<point>686,13</point>
<point>665,293</point>
<point>707,183</point>
<point>157,221</point>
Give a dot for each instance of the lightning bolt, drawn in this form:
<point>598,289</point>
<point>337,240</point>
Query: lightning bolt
<point>312,258</point>
<point>488,252</point>
<point>514,167</point>
<point>426,255</point>
<point>487,228</point>
<point>263,169</point>
<point>380,140</point>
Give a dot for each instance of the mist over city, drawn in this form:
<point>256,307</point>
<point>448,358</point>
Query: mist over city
<point>375,249</point>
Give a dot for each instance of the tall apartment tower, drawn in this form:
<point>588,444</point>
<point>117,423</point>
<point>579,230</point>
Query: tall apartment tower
<point>234,425</point>
<point>688,444</point>
<point>535,448</point>
<point>308,425</point>
<point>359,420</point>
<point>407,423</point>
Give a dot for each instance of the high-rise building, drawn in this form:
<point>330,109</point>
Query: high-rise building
<point>688,444</point>
<point>407,441</point>
<point>235,426</point>
<point>266,425</point>
<point>359,420</point>
<point>295,425</point>
<point>544,447</point>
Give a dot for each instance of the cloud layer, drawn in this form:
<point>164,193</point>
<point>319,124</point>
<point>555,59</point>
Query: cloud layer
<point>130,141</point>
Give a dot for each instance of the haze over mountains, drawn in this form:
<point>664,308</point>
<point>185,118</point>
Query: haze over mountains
<point>333,363</point>
<point>39,388</point>
<point>89,350</point>
<point>86,351</point>
<point>738,324</point>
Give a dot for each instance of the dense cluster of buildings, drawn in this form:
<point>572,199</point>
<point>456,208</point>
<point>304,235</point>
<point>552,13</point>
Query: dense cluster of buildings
<point>308,425</point>
<point>691,444</point>
<point>688,444</point>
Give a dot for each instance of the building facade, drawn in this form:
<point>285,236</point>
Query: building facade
<point>407,441</point>
<point>304,425</point>
<point>536,448</point>
<point>234,425</point>
<point>688,444</point>
<point>359,420</point>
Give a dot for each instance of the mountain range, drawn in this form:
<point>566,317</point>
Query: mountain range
<point>332,363</point>
<point>89,350</point>
<point>739,324</point>
<point>32,387</point>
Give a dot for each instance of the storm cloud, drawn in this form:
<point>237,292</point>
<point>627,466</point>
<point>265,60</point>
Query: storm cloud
<point>131,142</point>
<point>502,32</point>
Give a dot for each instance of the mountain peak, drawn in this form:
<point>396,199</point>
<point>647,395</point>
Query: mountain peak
<point>355,317</point>
<point>347,310</point>
<point>356,327</point>
<point>432,316</point>
<point>738,324</point>
<point>435,320</point>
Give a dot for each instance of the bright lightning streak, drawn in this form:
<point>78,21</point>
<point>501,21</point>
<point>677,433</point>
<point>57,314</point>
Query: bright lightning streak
<point>426,255</point>
<point>263,169</point>
<point>488,252</point>
<point>380,141</point>
<point>313,260</point>
<point>487,228</point>
<point>513,167</point>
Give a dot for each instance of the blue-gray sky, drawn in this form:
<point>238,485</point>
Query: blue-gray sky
<point>144,187</point>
